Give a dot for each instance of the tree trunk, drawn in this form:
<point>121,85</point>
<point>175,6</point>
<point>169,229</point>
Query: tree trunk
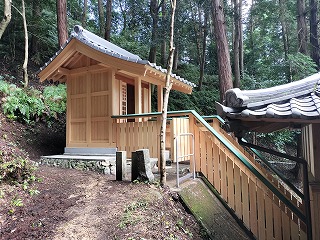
<point>154,11</point>
<point>108,20</point>
<point>62,21</point>
<point>124,16</point>
<point>224,67</point>
<point>314,32</point>
<point>204,47</point>
<point>285,38</point>
<point>241,41</point>
<point>26,44</point>
<point>163,177</point>
<point>101,18</point>
<point>164,34</point>
<point>84,13</point>
<point>6,17</point>
<point>302,27</point>
<point>176,58</point>
<point>236,43</point>
<point>36,12</point>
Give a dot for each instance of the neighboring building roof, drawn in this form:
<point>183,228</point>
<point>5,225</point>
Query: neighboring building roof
<point>296,102</point>
<point>104,46</point>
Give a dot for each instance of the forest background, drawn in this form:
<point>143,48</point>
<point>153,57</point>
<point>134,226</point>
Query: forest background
<point>268,42</point>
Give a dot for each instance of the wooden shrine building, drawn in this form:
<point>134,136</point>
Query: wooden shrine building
<point>103,80</point>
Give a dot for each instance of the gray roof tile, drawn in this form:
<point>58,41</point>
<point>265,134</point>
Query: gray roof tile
<point>296,100</point>
<point>104,46</point>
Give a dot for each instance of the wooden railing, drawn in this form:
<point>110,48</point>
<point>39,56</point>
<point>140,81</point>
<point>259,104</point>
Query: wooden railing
<point>257,198</point>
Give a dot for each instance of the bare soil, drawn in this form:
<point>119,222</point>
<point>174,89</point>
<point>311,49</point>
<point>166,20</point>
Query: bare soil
<point>72,204</point>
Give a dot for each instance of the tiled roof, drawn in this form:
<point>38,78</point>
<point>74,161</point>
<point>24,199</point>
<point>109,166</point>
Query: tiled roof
<point>296,100</point>
<point>104,46</point>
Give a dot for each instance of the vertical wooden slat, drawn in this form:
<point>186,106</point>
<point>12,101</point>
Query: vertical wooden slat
<point>223,175</point>
<point>237,188</point>
<point>245,200</point>
<point>294,230</point>
<point>269,217</point>
<point>203,154</point>
<point>276,218</point>
<point>210,160</point>
<point>303,234</point>
<point>261,214</point>
<point>230,183</point>
<point>285,225</point>
<point>216,167</point>
<point>253,208</point>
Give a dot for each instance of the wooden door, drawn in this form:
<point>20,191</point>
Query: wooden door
<point>89,110</point>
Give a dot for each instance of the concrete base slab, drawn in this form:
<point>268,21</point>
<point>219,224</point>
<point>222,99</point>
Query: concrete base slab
<point>89,151</point>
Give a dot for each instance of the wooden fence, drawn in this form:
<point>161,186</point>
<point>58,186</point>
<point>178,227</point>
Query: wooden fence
<point>256,196</point>
<point>261,211</point>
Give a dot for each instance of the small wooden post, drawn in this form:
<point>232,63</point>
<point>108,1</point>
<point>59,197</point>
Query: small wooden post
<point>121,164</point>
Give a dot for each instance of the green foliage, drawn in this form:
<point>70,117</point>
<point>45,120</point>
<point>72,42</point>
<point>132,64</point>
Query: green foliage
<point>16,202</point>
<point>55,99</point>
<point>280,139</point>
<point>17,170</point>
<point>129,217</point>
<point>28,105</point>
<point>301,65</point>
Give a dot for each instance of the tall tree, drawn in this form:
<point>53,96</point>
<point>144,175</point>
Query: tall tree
<point>84,13</point>
<point>200,28</point>
<point>241,50</point>
<point>314,52</point>
<point>62,21</point>
<point>7,16</point>
<point>167,89</point>
<point>236,42</point>
<point>108,20</point>
<point>164,33</point>
<point>224,67</point>
<point>101,18</point>
<point>204,48</point>
<point>36,14</point>
<point>285,39</point>
<point>154,11</point>
<point>302,27</point>
<point>26,46</point>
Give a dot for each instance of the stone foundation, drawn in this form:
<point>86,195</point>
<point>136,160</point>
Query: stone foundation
<point>102,165</point>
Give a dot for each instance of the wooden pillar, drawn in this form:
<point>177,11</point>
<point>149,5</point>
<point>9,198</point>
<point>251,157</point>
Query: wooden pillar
<point>315,161</point>
<point>137,97</point>
<point>315,210</point>
<point>149,98</point>
<point>68,118</point>
<point>160,97</point>
<point>114,102</point>
<point>215,124</point>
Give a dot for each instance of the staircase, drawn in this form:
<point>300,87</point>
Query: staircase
<point>257,197</point>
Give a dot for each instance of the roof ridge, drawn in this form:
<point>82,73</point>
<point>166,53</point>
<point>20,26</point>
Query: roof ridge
<point>259,97</point>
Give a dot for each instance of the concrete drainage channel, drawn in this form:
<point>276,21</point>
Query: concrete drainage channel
<point>210,212</point>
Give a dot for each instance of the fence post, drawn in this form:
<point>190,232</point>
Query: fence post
<point>121,165</point>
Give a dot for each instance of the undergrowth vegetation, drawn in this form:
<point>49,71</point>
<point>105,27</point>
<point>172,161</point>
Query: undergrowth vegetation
<point>31,105</point>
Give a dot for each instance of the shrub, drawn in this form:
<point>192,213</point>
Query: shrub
<point>28,105</point>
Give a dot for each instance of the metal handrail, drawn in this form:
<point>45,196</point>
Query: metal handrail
<point>232,149</point>
<point>182,156</point>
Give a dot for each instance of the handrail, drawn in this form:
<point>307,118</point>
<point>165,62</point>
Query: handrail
<point>259,155</point>
<point>291,206</point>
<point>279,174</point>
<point>191,154</point>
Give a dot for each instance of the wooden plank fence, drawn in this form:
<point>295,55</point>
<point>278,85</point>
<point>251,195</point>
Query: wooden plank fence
<point>260,209</point>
